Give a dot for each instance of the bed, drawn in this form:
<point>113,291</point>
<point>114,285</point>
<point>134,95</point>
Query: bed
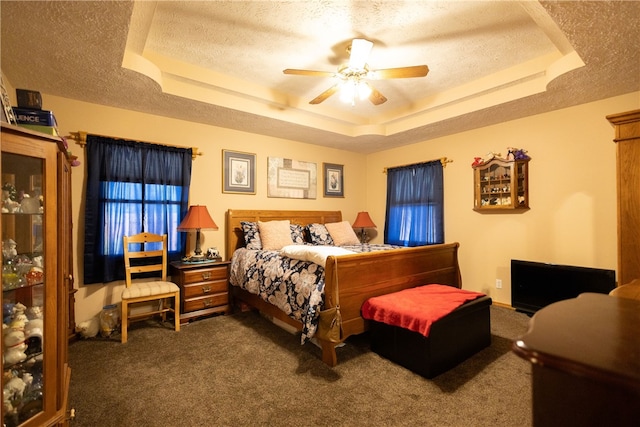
<point>354,277</point>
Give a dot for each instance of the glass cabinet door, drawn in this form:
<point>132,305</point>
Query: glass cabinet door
<point>24,279</point>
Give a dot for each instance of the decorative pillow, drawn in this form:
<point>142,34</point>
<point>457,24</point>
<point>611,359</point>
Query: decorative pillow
<point>319,235</point>
<point>297,234</point>
<point>275,234</point>
<point>316,254</point>
<point>342,233</point>
<point>251,235</point>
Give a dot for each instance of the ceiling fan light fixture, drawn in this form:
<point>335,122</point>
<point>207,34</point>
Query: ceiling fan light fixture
<point>348,91</point>
<point>353,88</point>
<point>351,78</point>
<point>364,90</point>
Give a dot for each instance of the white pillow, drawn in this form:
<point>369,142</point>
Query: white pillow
<point>315,254</point>
<point>342,233</point>
<point>274,234</point>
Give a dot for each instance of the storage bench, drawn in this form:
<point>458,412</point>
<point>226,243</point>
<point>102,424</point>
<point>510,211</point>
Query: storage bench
<point>451,339</point>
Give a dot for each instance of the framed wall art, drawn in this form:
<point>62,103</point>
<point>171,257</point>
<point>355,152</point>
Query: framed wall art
<point>291,178</point>
<point>238,172</point>
<point>333,180</point>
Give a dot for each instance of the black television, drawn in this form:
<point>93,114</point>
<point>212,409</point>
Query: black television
<point>535,285</point>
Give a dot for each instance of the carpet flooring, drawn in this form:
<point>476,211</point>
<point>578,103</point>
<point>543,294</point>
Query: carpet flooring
<point>242,370</point>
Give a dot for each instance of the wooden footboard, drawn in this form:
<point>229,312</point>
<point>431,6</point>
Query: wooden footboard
<point>356,278</point>
<point>352,279</point>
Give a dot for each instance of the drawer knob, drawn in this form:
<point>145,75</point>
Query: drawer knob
<point>206,276</point>
<point>206,289</point>
<point>207,303</point>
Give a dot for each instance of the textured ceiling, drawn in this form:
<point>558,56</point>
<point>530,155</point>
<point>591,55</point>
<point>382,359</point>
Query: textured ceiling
<point>221,63</point>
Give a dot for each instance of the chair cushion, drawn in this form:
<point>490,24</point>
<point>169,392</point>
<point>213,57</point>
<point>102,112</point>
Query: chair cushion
<point>147,289</point>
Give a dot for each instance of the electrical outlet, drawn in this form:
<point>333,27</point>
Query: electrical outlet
<point>498,283</point>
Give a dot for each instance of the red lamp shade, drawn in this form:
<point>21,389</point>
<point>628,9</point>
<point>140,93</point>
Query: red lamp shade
<point>197,218</point>
<point>363,220</point>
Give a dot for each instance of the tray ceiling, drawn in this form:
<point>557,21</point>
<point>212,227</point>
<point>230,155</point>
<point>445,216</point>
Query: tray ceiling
<point>221,62</point>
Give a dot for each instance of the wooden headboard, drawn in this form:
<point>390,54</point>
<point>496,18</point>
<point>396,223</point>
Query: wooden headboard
<point>235,236</point>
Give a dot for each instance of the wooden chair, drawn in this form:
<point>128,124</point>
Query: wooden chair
<point>149,255</point>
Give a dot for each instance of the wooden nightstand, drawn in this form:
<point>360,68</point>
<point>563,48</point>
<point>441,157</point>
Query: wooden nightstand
<point>204,288</point>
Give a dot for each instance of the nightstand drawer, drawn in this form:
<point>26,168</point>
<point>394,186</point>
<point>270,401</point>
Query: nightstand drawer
<point>205,302</point>
<point>205,274</point>
<point>205,288</point>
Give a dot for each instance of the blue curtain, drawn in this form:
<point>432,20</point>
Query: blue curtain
<point>415,211</point>
<point>132,187</point>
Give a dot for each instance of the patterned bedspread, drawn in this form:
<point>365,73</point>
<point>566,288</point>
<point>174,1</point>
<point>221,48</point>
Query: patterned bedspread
<point>295,287</point>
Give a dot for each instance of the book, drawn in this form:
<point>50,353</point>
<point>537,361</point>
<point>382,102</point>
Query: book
<point>49,130</point>
<point>34,117</point>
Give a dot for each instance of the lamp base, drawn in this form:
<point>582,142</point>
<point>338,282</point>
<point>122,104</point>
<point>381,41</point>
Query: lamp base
<point>195,258</point>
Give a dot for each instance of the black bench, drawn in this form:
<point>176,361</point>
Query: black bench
<point>451,340</point>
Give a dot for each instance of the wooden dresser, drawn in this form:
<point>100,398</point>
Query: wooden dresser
<point>204,288</point>
<point>585,358</point>
<point>627,139</point>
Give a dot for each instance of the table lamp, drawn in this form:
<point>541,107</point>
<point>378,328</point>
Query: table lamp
<point>197,218</point>
<point>363,221</point>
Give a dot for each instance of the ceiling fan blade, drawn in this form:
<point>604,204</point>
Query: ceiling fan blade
<point>360,49</point>
<point>324,95</point>
<point>400,73</point>
<point>376,97</point>
<point>309,73</point>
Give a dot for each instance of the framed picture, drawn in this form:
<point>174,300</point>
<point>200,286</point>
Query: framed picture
<point>238,172</point>
<point>333,180</point>
<point>291,179</point>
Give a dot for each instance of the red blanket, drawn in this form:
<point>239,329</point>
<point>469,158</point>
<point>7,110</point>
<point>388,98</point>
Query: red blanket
<point>418,308</point>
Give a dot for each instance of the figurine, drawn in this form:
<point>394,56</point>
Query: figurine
<point>18,317</point>
<point>37,261</point>
<point>212,253</point>
<point>476,161</point>
<point>15,347</point>
<point>15,387</point>
<point>521,154</point>
<point>34,312</point>
<point>9,249</point>
<point>34,329</point>
<point>89,328</point>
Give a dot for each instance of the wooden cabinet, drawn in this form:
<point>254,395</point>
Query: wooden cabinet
<point>627,139</point>
<point>501,184</point>
<point>204,288</point>
<point>36,276</point>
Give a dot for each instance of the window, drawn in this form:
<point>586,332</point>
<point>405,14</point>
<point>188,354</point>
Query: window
<point>134,208</point>
<point>415,198</point>
<point>132,187</point>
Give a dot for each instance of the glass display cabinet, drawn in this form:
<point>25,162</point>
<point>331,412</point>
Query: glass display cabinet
<point>35,278</point>
<point>501,184</point>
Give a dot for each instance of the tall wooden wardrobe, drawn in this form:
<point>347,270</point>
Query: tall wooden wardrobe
<point>627,139</point>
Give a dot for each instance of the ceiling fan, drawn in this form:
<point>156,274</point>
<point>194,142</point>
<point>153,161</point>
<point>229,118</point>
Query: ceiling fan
<point>352,77</point>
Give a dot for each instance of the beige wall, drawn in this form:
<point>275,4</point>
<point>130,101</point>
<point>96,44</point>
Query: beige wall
<point>572,184</point>
<point>572,218</point>
<point>206,180</point>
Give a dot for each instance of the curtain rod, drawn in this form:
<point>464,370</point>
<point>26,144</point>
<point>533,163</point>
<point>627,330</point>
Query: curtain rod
<point>443,160</point>
<point>80,137</point>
